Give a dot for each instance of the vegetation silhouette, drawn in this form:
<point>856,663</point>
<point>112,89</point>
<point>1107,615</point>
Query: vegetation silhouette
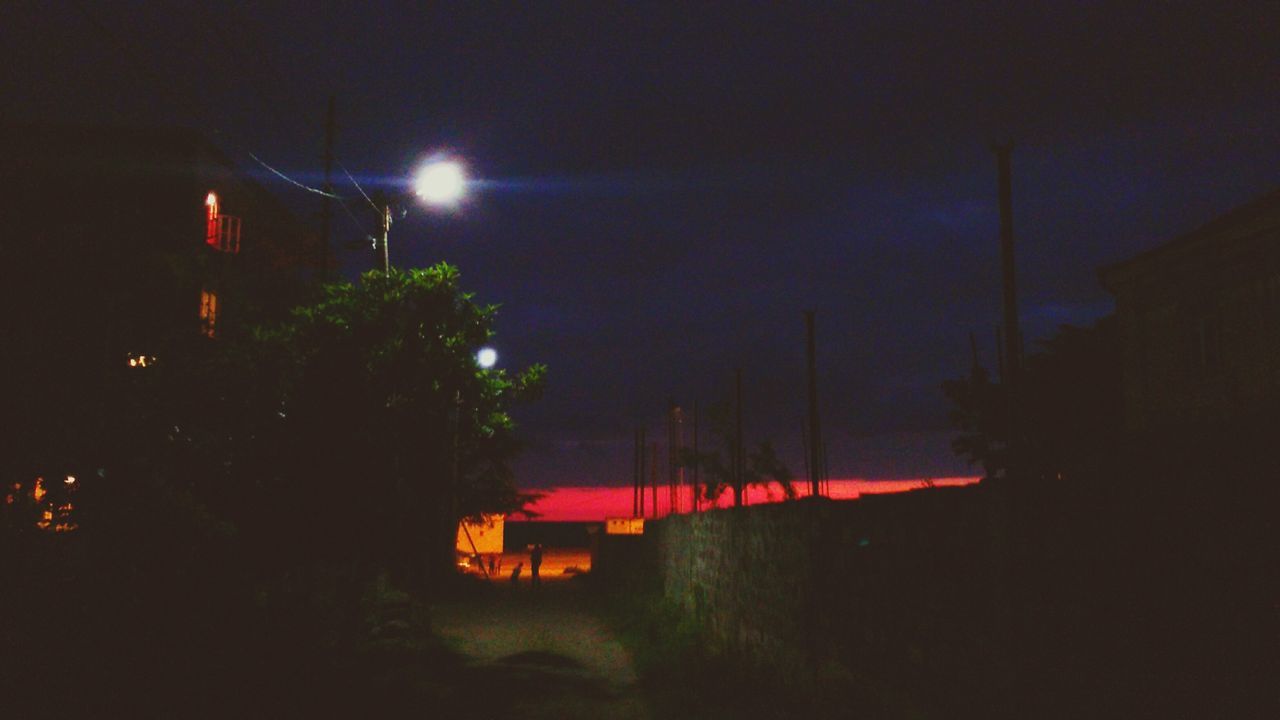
<point>761,468</point>
<point>1127,546</point>
<point>1069,407</point>
<point>261,502</point>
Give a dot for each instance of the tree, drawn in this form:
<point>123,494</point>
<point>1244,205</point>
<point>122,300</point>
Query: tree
<point>1072,401</point>
<point>1069,407</point>
<point>978,411</point>
<point>761,465</point>
<point>390,430</point>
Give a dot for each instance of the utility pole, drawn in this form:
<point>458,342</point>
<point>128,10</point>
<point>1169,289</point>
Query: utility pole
<point>653,476</point>
<point>815,433</point>
<point>640,447</point>
<point>386,236</point>
<point>806,453</point>
<point>1000,510</point>
<point>1012,336</point>
<point>697,461</point>
<point>675,438</point>
<point>999,354</point>
<point>326,203</point>
<point>738,461</point>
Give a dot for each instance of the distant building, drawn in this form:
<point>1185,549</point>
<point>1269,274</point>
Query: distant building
<point>117,243</point>
<point>1199,320</point>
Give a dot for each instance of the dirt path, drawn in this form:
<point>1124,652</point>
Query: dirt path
<point>541,655</point>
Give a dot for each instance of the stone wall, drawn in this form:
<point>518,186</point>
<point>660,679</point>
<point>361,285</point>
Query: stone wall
<point>896,586</point>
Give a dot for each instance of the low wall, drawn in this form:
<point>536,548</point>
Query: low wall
<point>895,586</point>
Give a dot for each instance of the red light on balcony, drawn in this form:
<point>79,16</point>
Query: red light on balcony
<point>222,232</point>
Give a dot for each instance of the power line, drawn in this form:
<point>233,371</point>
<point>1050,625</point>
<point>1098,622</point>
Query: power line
<point>290,180</point>
<point>123,47</point>
<point>372,204</point>
<point>354,219</point>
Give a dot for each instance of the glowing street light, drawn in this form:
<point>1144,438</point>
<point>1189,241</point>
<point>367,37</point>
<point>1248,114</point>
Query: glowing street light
<point>487,357</point>
<point>439,183</point>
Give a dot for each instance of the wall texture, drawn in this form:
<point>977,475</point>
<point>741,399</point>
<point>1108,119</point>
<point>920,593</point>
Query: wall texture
<point>886,586</point>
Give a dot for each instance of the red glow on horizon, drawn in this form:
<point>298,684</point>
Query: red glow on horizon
<point>595,503</point>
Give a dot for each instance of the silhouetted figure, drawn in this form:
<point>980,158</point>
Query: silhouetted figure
<point>493,565</point>
<point>535,562</point>
<point>515,574</point>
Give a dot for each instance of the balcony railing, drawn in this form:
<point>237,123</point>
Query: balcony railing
<point>224,233</point>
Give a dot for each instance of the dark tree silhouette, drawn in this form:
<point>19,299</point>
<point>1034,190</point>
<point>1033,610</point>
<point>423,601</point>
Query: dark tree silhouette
<point>392,430</point>
<point>761,465</point>
<point>1069,406</point>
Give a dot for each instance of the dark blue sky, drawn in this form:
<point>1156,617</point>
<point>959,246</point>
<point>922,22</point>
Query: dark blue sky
<point>667,186</point>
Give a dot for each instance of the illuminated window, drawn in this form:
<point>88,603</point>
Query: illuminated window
<point>222,232</point>
<point>208,311</point>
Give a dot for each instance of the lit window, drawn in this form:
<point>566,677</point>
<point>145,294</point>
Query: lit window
<point>208,311</point>
<point>222,232</point>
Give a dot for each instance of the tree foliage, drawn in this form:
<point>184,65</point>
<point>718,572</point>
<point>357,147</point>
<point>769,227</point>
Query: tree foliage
<point>761,465</point>
<point>1068,407</point>
<point>979,410</point>
<point>393,432</point>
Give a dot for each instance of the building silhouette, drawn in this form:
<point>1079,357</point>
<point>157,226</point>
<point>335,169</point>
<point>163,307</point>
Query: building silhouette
<point>119,243</point>
<point>1199,321</point>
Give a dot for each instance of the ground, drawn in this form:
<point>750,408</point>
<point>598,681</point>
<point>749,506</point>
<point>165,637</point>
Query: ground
<point>540,653</point>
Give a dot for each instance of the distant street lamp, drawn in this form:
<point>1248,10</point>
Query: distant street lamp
<point>439,183</point>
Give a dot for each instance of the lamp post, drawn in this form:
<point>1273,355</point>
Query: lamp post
<point>439,183</point>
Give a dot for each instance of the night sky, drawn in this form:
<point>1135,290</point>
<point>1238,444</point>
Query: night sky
<point>664,188</point>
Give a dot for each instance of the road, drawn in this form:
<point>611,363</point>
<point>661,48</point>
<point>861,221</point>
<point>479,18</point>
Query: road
<point>540,654</point>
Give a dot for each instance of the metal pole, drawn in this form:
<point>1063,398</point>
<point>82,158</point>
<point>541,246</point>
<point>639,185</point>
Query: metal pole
<point>815,432</point>
<point>1000,508</point>
<point>697,460</point>
<point>805,453</point>
<point>1012,337</point>
<point>673,460</point>
<point>653,476</point>
<point>326,206</point>
<point>640,479</point>
<point>387,232</point>
<point>738,490</point>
